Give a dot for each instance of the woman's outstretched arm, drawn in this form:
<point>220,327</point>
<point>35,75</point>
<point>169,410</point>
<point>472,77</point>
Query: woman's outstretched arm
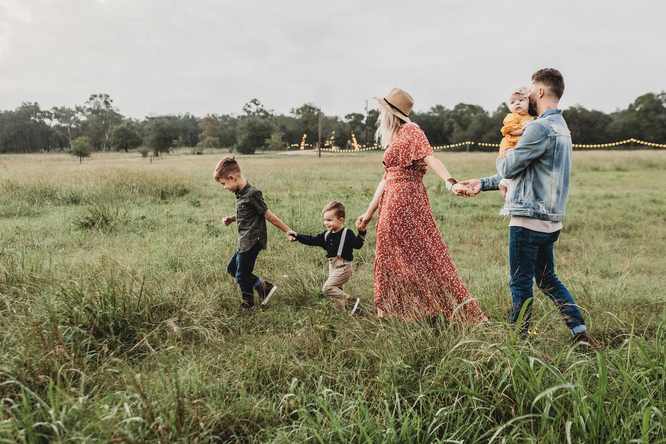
<point>365,218</point>
<point>438,167</point>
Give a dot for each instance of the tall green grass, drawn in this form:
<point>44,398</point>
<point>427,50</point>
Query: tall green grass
<point>118,323</point>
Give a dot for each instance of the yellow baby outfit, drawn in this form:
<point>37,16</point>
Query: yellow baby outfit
<point>512,122</point>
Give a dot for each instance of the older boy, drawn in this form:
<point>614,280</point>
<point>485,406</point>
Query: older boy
<point>251,215</point>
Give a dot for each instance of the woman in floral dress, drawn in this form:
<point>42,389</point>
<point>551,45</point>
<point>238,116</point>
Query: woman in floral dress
<point>414,275</point>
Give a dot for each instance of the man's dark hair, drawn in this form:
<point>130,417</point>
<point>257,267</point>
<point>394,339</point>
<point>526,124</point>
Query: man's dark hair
<point>552,79</point>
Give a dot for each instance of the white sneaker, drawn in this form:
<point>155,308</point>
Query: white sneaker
<point>355,306</point>
<point>266,290</point>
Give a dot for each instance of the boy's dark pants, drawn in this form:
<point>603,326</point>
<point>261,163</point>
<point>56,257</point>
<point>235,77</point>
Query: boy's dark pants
<point>240,267</point>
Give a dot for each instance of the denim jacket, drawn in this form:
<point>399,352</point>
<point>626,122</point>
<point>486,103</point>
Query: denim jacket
<point>540,166</point>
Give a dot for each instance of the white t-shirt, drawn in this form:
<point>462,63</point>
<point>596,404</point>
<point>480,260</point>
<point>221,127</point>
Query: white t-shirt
<point>542,226</point>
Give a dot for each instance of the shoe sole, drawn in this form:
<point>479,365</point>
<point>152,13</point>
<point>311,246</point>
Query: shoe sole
<point>355,307</point>
<point>268,296</point>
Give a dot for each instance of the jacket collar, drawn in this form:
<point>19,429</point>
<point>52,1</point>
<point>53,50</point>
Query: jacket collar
<point>549,112</point>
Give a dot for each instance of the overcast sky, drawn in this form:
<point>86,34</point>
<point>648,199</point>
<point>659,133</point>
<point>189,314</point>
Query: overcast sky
<point>213,56</point>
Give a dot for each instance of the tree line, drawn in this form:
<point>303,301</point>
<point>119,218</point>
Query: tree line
<point>98,125</point>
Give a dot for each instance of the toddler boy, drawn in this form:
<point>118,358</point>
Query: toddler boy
<point>339,243</point>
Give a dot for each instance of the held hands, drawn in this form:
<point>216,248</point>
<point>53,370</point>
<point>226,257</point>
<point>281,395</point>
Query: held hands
<point>473,184</point>
<point>291,235</point>
<point>461,189</point>
<point>363,221</point>
<point>228,220</point>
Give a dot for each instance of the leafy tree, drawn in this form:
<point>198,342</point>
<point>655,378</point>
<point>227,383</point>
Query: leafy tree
<point>334,130</point>
<point>81,148</point>
<point>209,142</point>
<point>587,126</point>
<point>210,130</point>
<point>161,132</point>
<point>228,125</point>
<point>275,142</point>
<point>101,116</point>
<point>468,121</point>
<point>188,130</point>
<point>494,129</point>
<point>256,109</point>
<point>645,119</point>
<point>252,133</point>
<point>26,130</point>
<point>371,126</point>
<point>290,128</point>
<point>356,122</point>
<point>308,116</point>
<point>125,136</point>
<point>434,124</point>
<point>67,121</point>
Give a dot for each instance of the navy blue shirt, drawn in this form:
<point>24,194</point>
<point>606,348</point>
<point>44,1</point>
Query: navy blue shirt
<point>332,243</point>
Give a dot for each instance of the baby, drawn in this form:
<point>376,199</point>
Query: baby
<point>514,123</point>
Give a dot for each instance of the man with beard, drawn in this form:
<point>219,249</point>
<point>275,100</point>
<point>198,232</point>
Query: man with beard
<point>540,166</point>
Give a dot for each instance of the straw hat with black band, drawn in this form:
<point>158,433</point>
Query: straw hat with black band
<point>399,103</point>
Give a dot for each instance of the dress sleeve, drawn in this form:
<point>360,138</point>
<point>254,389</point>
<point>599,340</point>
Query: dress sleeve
<point>411,146</point>
<point>511,123</point>
<point>420,146</point>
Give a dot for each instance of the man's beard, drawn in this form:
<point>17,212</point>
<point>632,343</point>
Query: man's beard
<point>532,110</point>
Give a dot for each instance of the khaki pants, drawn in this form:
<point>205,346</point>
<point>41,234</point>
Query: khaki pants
<point>339,272</point>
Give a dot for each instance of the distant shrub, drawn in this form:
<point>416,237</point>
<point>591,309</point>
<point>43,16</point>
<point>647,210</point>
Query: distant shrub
<point>209,142</point>
<point>144,150</point>
<point>81,148</point>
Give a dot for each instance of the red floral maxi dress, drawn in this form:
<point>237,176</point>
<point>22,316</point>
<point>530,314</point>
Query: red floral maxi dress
<point>414,275</point>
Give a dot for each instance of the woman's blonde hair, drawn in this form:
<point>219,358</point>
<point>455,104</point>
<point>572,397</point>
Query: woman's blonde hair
<point>388,125</point>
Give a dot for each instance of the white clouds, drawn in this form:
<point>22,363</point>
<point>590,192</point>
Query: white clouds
<point>211,56</point>
<point>11,11</point>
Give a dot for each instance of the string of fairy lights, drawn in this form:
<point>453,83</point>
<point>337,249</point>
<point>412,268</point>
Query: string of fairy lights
<point>357,148</point>
<point>622,142</point>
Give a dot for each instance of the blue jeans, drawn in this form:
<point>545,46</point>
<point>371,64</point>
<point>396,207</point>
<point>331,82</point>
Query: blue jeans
<point>241,267</point>
<point>530,257</point>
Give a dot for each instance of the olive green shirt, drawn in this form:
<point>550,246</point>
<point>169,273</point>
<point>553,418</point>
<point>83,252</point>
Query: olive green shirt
<point>250,209</point>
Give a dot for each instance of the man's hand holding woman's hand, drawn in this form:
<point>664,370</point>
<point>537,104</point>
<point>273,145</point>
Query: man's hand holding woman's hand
<point>474,186</point>
<point>462,189</point>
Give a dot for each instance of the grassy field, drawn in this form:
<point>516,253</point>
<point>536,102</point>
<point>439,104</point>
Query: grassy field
<point>118,323</point>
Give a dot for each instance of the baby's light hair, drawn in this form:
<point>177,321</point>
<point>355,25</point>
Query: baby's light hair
<point>225,167</point>
<point>523,90</point>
